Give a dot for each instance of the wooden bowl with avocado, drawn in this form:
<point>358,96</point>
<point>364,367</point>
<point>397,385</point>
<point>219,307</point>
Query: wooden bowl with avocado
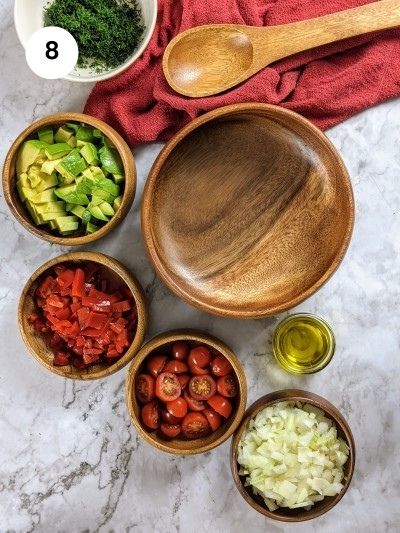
<point>69,178</point>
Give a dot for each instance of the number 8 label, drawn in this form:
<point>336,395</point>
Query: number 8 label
<point>51,52</point>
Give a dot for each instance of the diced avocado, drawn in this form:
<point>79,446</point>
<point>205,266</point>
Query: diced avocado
<point>63,134</point>
<point>96,201</point>
<point>97,135</point>
<point>86,216</point>
<point>84,134</point>
<point>72,126</point>
<point>107,209</point>
<point>76,198</point>
<point>28,154</point>
<point>55,151</point>
<point>66,178</point>
<point>80,144</point>
<point>47,182</point>
<point>73,163</point>
<point>108,143</point>
<point>61,192</point>
<point>111,160</point>
<point>94,173</point>
<point>117,203</point>
<point>84,185</point>
<point>72,142</point>
<point>48,167</point>
<point>50,207</point>
<point>69,207</point>
<point>89,152</point>
<point>36,218</point>
<point>118,178</point>
<point>46,134</point>
<point>67,223</point>
<point>52,224</point>
<point>25,193</point>
<point>78,210</point>
<point>91,228</point>
<point>96,212</point>
<point>53,215</point>
<point>109,186</point>
<point>103,195</point>
<point>44,197</point>
<point>34,179</point>
<point>24,180</point>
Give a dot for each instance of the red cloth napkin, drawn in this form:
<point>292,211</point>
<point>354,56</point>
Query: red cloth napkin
<point>326,85</point>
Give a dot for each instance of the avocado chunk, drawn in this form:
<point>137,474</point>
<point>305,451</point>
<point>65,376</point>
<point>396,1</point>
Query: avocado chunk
<point>107,209</point>
<point>46,134</point>
<point>118,178</point>
<point>117,203</point>
<point>47,181</point>
<point>84,185</point>
<point>72,142</point>
<point>48,167</point>
<point>84,134</point>
<point>91,228</point>
<point>98,135</point>
<point>51,207</point>
<point>52,215</point>
<point>89,152</point>
<point>58,150</point>
<point>76,198</point>
<point>96,212</point>
<point>61,192</point>
<point>73,163</point>
<point>109,186</point>
<point>44,197</point>
<point>78,210</point>
<point>110,160</point>
<point>63,134</point>
<point>25,193</point>
<point>72,126</point>
<point>67,223</point>
<point>103,195</point>
<point>28,154</point>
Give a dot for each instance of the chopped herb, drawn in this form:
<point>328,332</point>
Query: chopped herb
<point>107,31</point>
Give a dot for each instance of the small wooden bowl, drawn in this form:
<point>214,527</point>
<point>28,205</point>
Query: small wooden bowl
<point>293,515</point>
<point>16,205</point>
<point>247,211</point>
<point>36,342</point>
<point>180,446</point>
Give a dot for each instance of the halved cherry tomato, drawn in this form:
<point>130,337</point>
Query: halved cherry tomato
<point>213,418</point>
<point>177,407</point>
<point>195,426</point>
<point>155,364</point>
<point>151,415</point>
<point>183,380</point>
<point>168,418</point>
<point>167,387</point>
<point>202,387</point>
<point>180,350</point>
<point>145,388</point>
<point>175,366</point>
<point>171,430</point>
<point>200,356</point>
<point>220,366</point>
<point>197,371</point>
<point>194,405</point>
<point>226,385</point>
<point>221,405</point>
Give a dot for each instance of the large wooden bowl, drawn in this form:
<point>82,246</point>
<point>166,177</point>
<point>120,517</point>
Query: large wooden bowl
<point>117,274</point>
<point>247,211</point>
<point>284,514</point>
<point>179,446</point>
<point>19,210</point>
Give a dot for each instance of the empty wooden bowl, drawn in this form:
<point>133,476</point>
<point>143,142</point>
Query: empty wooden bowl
<point>180,446</point>
<point>19,210</point>
<point>36,342</point>
<point>247,211</point>
<point>285,514</point>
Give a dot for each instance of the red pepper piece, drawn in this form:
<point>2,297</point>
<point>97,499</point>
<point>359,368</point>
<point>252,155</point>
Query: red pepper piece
<point>121,307</point>
<point>65,278</point>
<point>83,317</point>
<point>97,320</point>
<point>61,359</point>
<point>78,283</point>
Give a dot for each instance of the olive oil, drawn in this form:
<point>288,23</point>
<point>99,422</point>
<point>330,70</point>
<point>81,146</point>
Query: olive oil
<point>303,343</point>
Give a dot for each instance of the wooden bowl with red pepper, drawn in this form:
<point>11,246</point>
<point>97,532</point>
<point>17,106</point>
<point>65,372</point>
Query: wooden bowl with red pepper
<point>82,315</point>
<point>186,392</point>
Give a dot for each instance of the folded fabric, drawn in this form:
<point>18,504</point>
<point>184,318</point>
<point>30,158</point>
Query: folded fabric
<point>326,85</point>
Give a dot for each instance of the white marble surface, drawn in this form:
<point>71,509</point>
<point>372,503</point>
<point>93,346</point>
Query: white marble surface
<point>70,460</point>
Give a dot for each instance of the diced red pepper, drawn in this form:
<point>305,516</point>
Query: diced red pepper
<point>63,313</point>
<point>78,283</point>
<point>61,359</point>
<point>46,287</point>
<point>65,278</point>
<point>97,320</point>
<point>33,317</point>
<point>121,307</point>
<point>83,317</point>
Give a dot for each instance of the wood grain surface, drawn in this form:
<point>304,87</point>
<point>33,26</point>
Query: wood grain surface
<point>247,211</point>
<point>210,59</point>
<point>117,275</point>
<point>10,179</point>
<point>179,446</point>
<point>284,514</point>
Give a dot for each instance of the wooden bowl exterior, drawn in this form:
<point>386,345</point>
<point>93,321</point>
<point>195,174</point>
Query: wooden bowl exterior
<point>16,205</point>
<point>180,446</point>
<point>247,211</point>
<point>36,342</point>
<point>319,508</point>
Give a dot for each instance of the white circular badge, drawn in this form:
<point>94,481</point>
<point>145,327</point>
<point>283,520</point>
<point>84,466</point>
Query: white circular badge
<point>51,52</point>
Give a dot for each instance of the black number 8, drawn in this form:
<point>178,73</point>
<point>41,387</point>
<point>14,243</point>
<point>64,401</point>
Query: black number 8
<point>51,50</point>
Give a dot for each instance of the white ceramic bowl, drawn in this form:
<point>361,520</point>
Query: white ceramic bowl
<point>28,18</point>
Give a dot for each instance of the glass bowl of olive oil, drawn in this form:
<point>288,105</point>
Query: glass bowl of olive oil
<point>303,343</point>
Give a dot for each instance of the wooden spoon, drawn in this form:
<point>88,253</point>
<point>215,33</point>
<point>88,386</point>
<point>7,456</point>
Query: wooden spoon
<point>210,59</point>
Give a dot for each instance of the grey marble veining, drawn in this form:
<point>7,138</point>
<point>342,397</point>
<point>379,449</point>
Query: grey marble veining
<point>70,460</point>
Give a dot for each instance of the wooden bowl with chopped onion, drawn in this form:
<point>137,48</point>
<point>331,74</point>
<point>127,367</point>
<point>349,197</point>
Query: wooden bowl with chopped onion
<point>300,514</point>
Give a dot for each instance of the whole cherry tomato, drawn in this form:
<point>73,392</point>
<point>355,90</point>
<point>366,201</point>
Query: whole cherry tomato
<point>220,366</point>
<point>155,364</point>
<point>180,350</point>
<point>175,366</point>
<point>200,356</point>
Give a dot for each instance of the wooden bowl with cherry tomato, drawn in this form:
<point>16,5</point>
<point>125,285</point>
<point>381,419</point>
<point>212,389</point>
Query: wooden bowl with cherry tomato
<point>82,315</point>
<point>186,392</point>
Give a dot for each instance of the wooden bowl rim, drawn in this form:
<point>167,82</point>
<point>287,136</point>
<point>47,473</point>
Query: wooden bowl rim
<point>127,277</point>
<point>129,188</point>
<point>295,395</point>
<point>146,209</point>
<point>200,337</point>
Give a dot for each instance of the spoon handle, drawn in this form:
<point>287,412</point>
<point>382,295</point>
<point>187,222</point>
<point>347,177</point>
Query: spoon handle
<point>290,39</point>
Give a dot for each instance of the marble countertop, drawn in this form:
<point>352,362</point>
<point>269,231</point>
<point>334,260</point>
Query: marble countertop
<point>70,461</point>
